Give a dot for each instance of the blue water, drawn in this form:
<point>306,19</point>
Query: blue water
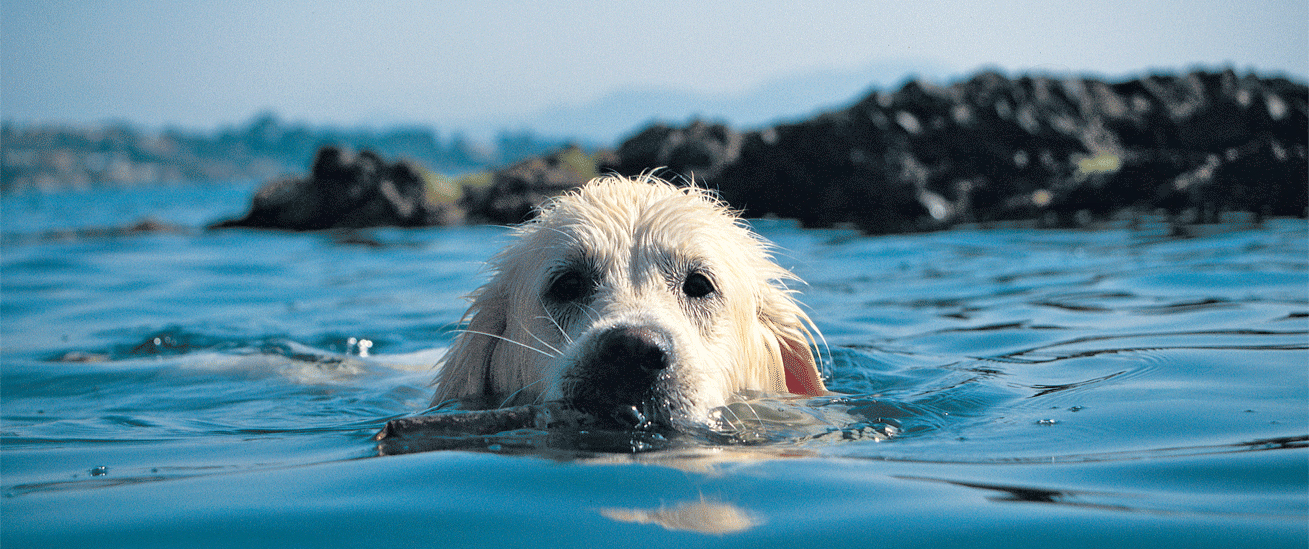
<point>1002,388</point>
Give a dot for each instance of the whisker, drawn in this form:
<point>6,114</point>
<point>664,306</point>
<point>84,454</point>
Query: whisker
<point>515,394</point>
<point>567,340</point>
<point>558,353</point>
<point>507,340</point>
<point>591,313</point>
<point>443,404</point>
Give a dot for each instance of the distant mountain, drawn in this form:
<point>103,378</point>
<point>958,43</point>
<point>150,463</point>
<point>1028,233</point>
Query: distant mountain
<point>55,157</point>
<point>610,118</point>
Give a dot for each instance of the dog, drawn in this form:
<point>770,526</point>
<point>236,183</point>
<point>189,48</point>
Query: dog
<point>635,302</point>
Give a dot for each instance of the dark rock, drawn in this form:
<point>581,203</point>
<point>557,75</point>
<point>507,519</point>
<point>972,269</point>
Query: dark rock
<point>1264,176</point>
<point>700,150</point>
<point>516,191</point>
<point>993,148</point>
<point>345,191</point>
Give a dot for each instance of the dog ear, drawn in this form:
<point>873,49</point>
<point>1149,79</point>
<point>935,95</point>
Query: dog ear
<point>465,369</point>
<point>791,329</point>
<point>802,376</point>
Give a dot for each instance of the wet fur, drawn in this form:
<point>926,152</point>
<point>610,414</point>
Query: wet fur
<point>634,243</point>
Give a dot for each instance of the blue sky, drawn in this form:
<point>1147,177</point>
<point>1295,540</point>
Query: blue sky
<point>206,64</point>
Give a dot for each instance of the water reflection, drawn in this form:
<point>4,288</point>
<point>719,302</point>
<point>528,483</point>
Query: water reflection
<point>1028,494</point>
<point>703,516</point>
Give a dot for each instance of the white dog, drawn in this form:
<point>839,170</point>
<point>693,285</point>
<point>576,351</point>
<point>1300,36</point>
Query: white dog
<point>635,301</point>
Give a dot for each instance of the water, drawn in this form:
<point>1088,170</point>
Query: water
<point>1002,388</point>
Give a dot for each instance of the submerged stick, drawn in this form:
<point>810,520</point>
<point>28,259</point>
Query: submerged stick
<point>470,423</point>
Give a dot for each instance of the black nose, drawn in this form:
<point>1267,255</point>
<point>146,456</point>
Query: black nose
<point>618,382</point>
<point>633,347</point>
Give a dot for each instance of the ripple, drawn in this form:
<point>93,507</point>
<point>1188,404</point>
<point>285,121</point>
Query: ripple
<point>1112,344</point>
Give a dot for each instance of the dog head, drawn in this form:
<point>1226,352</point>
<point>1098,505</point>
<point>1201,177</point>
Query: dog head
<point>632,300</point>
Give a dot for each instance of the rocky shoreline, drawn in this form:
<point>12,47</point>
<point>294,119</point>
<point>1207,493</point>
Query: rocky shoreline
<point>924,157</point>
<point>344,191</point>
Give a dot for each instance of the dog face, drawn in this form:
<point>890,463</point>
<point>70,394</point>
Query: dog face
<point>634,301</point>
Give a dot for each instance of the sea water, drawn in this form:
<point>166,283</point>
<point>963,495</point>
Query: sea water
<point>1139,385</point>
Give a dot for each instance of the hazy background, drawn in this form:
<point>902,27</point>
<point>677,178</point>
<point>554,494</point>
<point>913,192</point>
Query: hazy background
<point>587,69</point>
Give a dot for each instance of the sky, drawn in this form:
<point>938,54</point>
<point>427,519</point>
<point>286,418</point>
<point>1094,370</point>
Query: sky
<point>447,63</point>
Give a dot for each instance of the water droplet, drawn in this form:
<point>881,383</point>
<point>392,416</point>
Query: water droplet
<point>361,344</point>
<point>632,416</point>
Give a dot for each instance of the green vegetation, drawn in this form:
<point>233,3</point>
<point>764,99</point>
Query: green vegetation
<point>1103,162</point>
<point>579,162</point>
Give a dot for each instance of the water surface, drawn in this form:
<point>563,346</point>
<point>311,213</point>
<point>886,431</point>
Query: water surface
<point>1000,387</point>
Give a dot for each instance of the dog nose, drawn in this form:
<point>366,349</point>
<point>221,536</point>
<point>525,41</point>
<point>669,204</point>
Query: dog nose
<point>641,347</point>
<point>618,381</point>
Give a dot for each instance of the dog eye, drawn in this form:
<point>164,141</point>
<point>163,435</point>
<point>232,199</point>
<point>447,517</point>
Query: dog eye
<point>697,285</point>
<point>569,286</point>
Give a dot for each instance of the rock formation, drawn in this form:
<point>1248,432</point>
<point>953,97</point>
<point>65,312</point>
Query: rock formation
<point>344,191</point>
<point>516,191</point>
<point>993,148</point>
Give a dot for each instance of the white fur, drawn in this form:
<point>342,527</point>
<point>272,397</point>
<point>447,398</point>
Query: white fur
<point>642,235</point>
